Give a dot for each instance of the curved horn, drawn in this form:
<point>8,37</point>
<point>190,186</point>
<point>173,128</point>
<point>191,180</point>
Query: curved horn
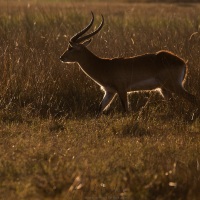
<point>93,33</point>
<point>76,36</point>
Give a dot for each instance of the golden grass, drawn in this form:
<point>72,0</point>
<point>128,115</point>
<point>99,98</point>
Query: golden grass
<point>52,146</point>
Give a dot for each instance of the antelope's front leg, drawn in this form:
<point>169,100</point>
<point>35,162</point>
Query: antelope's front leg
<point>124,100</point>
<point>107,99</point>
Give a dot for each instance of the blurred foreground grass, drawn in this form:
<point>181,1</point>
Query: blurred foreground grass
<point>113,157</point>
<point>51,145</point>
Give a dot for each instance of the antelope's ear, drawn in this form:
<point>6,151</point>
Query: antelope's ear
<point>74,45</point>
<point>87,42</point>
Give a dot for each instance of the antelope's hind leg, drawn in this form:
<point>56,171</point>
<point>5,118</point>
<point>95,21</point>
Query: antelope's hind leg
<point>190,97</point>
<point>182,92</point>
<point>107,100</point>
<point>167,95</point>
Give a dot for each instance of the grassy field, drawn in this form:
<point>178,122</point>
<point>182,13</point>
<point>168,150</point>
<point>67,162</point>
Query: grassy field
<point>51,144</point>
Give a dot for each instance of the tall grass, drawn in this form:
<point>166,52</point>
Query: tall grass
<point>52,147</point>
<point>33,38</point>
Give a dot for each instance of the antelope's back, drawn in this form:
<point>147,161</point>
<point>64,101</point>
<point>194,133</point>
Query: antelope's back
<point>168,59</point>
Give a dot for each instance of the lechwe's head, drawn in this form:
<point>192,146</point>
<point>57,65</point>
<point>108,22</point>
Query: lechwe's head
<point>77,44</point>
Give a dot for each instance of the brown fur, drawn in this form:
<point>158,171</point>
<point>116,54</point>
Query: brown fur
<point>162,70</point>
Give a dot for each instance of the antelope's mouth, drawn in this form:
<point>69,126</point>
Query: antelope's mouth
<point>62,59</point>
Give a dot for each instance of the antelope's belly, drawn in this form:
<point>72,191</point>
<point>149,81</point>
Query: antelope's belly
<point>147,84</point>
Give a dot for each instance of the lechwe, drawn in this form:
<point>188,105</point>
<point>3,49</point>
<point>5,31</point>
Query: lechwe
<point>162,70</point>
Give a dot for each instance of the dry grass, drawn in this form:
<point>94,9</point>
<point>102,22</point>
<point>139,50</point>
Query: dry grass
<point>51,145</point>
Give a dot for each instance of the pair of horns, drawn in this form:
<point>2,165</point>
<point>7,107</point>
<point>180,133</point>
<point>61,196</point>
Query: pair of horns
<point>77,37</point>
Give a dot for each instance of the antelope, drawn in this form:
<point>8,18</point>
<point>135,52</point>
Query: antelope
<point>161,70</point>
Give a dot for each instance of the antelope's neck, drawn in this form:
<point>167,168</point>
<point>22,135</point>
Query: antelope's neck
<point>90,64</point>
